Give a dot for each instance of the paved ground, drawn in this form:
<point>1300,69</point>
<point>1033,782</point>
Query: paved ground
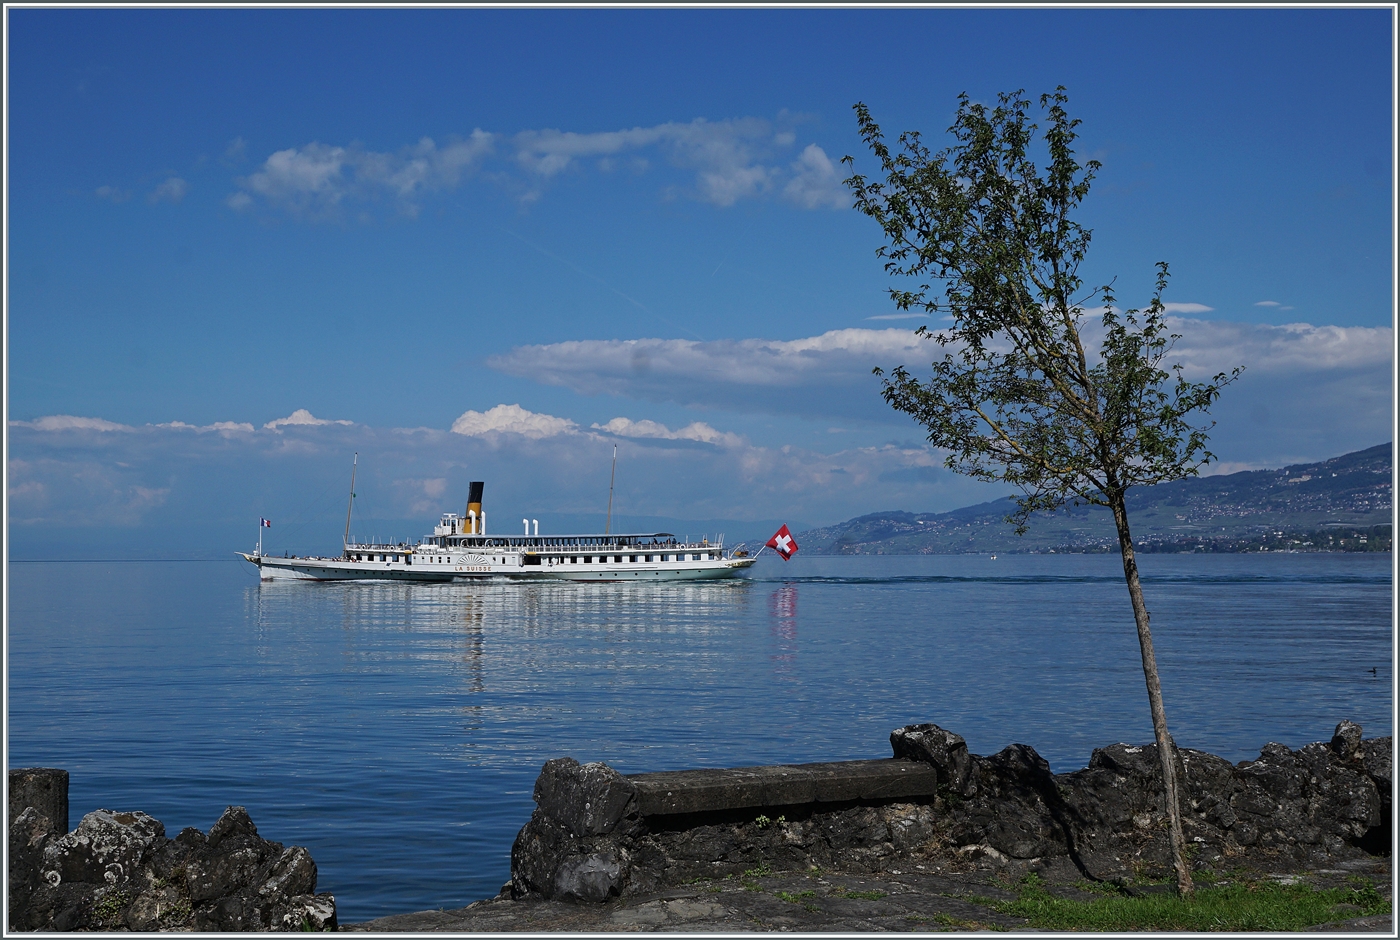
<point>917,900</point>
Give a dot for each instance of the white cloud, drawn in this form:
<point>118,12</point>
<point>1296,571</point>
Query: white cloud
<point>316,178</point>
<point>236,151</point>
<point>535,464</point>
<point>172,190</point>
<point>71,423</point>
<point>725,186</point>
<point>1187,308</point>
<point>424,496</point>
<point>1308,392</point>
<point>696,431</point>
<point>1266,303</point>
<point>1211,346</point>
<point>223,427</point>
<point>112,193</point>
<point>300,418</point>
<point>723,153</point>
<point>761,362</point>
<point>312,173</point>
<point>731,160</point>
<point>815,184</point>
<point>818,373</point>
<point>75,423</point>
<point>511,419</point>
<point>549,152</point>
<point>1311,392</point>
<point>87,489</point>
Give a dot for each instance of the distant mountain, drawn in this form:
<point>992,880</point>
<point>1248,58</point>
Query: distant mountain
<point>1339,504</point>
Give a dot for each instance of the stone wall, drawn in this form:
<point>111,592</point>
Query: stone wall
<point>119,871</point>
<point>597,834</point>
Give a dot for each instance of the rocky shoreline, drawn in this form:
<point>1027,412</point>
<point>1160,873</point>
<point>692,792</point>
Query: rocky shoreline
<point>118,871</point>
<point>931,838</point>
<point>597,834</point>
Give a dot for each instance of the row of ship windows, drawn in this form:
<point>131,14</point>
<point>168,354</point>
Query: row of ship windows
<point>619,559</point>
<point>567,560</point>
<point>447,560</point>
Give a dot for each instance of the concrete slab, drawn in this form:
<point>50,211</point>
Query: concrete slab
<point>718,790</point>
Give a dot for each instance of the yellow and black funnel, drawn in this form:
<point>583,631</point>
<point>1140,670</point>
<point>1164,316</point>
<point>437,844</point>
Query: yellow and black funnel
<point>473,512</point>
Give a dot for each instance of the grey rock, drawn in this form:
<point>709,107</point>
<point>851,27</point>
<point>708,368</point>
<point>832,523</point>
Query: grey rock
<point>1376,762</point>
<point>45,789</point>
<point>106,848</point>
<point>1015,811</point>
<point>30,833</point>
<point>119,871</point>
<point>593,877</point>
<point>588,799</point>
<point>539,847</point>
<point>212,875</point>
<point>943,749</point>
<point>192,837</point>
<point>310,912</point>
<point>294,873</point>
<point>1346,740</point>
<point>234,823</point>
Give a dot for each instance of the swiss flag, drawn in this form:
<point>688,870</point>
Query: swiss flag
<point>783,543</point>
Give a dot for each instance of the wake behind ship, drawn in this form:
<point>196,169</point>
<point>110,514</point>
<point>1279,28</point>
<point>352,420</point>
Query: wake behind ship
<point>459,550</point>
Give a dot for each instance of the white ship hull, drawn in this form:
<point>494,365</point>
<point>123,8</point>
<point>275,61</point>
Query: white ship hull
<point>419,565</point>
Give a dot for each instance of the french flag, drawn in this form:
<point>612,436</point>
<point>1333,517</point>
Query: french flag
<point>266,523</point>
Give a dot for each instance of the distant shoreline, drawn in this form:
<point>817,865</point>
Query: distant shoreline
<point>1140,549</point>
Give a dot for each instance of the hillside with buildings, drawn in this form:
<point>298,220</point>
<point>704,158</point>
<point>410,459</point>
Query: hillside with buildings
<point>1341,504</point>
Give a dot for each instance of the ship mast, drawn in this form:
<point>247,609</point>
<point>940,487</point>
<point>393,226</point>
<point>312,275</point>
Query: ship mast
<point>607,526</point>
<point>351,503</point>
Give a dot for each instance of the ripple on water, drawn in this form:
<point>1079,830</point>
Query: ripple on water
<point>397,729</point>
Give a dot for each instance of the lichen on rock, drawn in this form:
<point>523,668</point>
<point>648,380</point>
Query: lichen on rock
<point>117,870</point>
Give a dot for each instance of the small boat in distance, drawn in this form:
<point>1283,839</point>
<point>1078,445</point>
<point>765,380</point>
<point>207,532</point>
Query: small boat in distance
<point>459,549</point>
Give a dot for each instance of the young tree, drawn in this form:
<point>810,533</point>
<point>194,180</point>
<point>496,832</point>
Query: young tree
<point>1019,394</point>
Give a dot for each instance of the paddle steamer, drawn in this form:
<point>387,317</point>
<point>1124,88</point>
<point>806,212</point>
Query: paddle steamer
<point>459,549</point>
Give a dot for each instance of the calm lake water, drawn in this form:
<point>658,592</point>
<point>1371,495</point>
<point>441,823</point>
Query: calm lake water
<point>397,730</point>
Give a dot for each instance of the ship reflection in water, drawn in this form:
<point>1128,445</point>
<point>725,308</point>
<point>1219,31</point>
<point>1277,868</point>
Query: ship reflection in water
<point>515,659</point>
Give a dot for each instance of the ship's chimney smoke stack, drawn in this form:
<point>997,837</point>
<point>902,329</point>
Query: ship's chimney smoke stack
<point>473,512</point>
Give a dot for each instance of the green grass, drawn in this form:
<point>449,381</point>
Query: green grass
<point>1241,906</point>
<point>957,923</point>
<point>108,910</point>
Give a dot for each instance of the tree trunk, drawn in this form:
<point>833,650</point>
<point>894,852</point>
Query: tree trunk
<point>1166,749</point>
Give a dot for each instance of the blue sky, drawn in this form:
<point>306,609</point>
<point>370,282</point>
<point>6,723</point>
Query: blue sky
<point>556,231</point>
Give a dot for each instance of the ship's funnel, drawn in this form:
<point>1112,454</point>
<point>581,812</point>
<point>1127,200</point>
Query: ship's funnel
<point>474,501</point>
